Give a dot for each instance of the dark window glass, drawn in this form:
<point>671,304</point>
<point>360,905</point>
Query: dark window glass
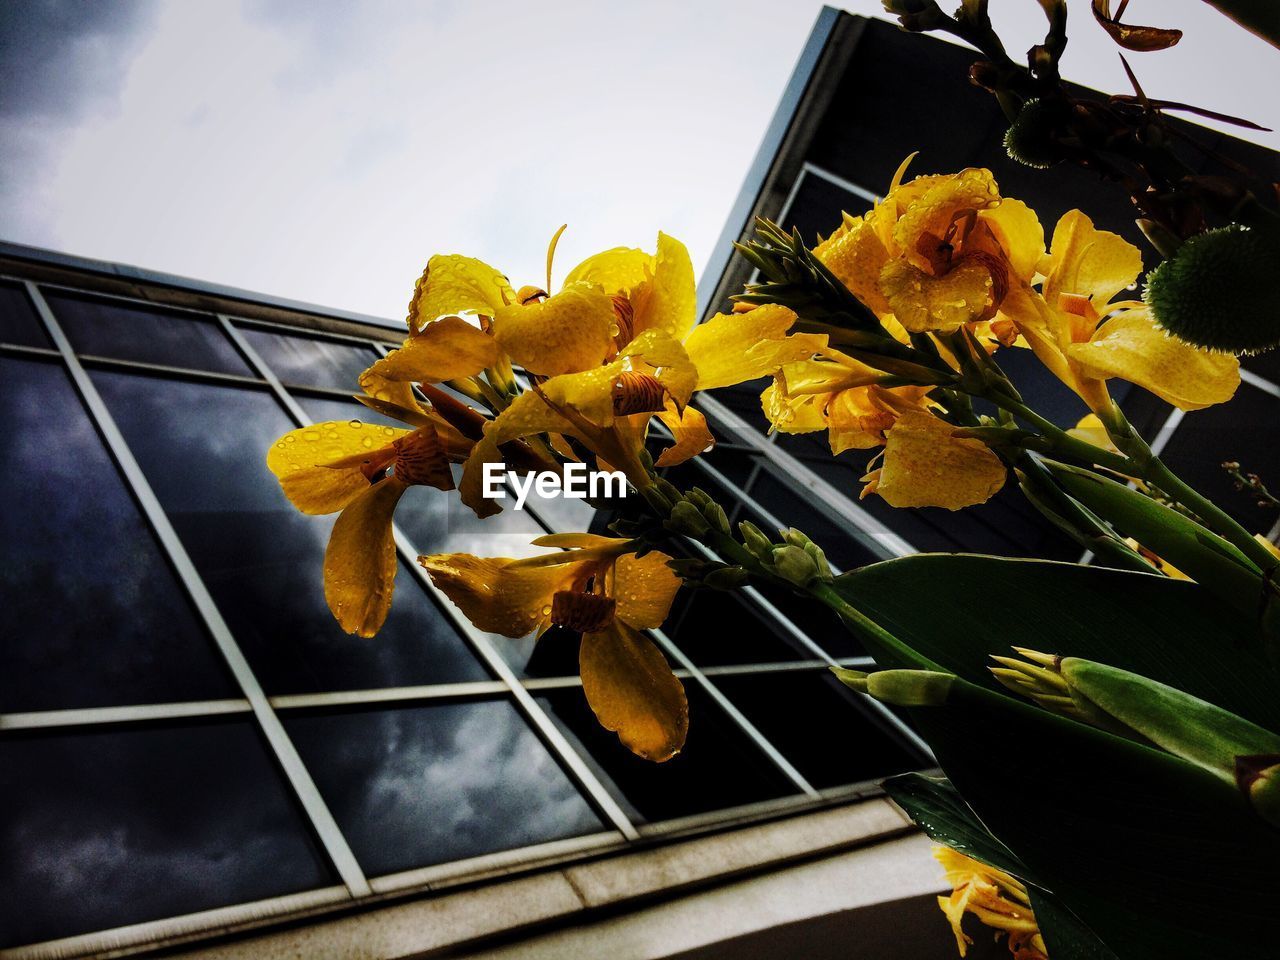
<point>309,361</point>
<point>127,331</point>
<point>18,320</point>
<point>93,615</point>
<point>719,766</point>
<point>423,785</point>
<point>203,448</point>
<point>815,210</point>
<point>822,727</point>
<point>714,628</point>
<point>105,828</point>
<point>1235,430</point>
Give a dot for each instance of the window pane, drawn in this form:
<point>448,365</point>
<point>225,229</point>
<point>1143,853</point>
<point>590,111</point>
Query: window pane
<point>712,627</point>
<point>309,361</point>
<point>424,785</point>
<point>127,331</point>
<point>105,828</point>
<point>18,321</point>
<point>718,767</point>
<point>202,448</point>
<point>93,614</point>
<point>821,726</point>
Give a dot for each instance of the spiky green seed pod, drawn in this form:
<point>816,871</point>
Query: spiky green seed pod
<point>1031,138</point>
<point>1217,291</point>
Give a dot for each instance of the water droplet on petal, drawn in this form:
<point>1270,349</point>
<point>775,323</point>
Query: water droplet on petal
<point>546,610</point>
<point>290,438</point>
<point>311,435</point>
<point>355,424</point>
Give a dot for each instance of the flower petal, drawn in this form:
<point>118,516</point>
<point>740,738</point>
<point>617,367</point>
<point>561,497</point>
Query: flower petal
<point>925,466</point>
<point>1018,231</point>
<point>933,210</point>
<point>299,458</point>
<point>922,302</point>
<point>619,270</point>
<point>644,588</point>
<point>633,692</point>
<point>691,434</point>
<point>856,423</point>
<point>1091,263</point>
<point>447,349</point>
<point>499,599</point>
<point>719,347</point>
<point>566,333</point>
<point>856,255</point>
<point>667,298</point>
<point>453,284</point>
<point>360,561</point>
<point>1130,346</point>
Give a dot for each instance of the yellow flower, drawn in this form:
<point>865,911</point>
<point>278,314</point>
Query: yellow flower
<point>997,899</point>
<point>609,595</point>
<point>926,465</point>
<point>1085,337</point>
<point>361,470</point>
<point>937,253</point>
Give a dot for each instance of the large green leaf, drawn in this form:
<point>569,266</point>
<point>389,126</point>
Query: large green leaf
<point>1159,858</point>
<point>957,610</point>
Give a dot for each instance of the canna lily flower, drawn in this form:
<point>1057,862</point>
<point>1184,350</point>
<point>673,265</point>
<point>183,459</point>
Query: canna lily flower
<point>937,253</point>
<point>599,588</point>
<point>1085,337</point>
<point>361,470</point>
<point>997,899</point>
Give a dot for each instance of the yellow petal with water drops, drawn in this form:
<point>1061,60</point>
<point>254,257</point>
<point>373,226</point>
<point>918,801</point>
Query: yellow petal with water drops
<point>925,466</point>
<point>633,692</point>
<point>923,303</point>
<point>934,210</point>
<point>690,432</point>
<point>855,421</point>
<point>563,334</point>
<point>1091,263</point>
<point>497,598</point>
<point>390,395</point>
<point>1130,346</point>
<point>856,255</point>
<point>793,414</point>
<point>299,460</point>
<point>644,589</point>
<point>579,541</point>
<point>454,284</point>
<point>667,359</point>
<point>448,349</point>
<point>667,298</point>
<point>360,561</point>
<point>718,348</point>
<point>1018,231</point>
<point>615,271</point>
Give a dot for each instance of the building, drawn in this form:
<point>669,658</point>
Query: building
<point>195,759</point>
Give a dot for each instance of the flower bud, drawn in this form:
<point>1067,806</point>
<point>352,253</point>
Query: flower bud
<point>715,515</point>
<point>725,578</point>
<point>901,688</point>
<point>656,500</point>
<point>755,541</point>
<point>792,564</point>
<point>686,519</point>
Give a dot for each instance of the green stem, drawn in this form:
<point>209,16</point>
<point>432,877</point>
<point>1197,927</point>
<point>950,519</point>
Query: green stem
<point>860,624</point>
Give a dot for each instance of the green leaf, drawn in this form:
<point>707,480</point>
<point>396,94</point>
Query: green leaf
<point>957,610</point>
<point>939,810</point>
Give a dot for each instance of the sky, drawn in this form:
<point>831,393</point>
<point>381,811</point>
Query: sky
<point>323,151</point>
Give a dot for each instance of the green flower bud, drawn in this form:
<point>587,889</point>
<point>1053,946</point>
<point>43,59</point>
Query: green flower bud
<point>819,558</point>
<point>1259,779</point>
<point>902,688</point>
<point>755,541</point>
<point>715,515</point>
<point>656,500</point>
<point>1216,291</point>
<point>669,489</point>
<point>795,537</point>
<point>1030,139</point>
<point>725,578</point>
<point>792,564</point>
<point>686,519</point>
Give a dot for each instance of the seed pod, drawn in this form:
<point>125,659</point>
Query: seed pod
<point>1032,137</point>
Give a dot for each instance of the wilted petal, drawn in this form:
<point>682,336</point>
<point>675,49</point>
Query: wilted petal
<point>454,284</point>
<point>633,692</point>
<point>299,460</point>
<point>1130,35</point>
<point>360,561</point>
<point>691,434</point>
<point>1130,346</point>
<point>925,466</point>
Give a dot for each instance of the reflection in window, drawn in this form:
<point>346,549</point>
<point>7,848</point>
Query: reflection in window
<point>106,828</point>
<point>308,361</point>
<point>18,321</point>
<point>423,785</point>
<point>718,767</point>
<point>93,616</point>
<point>820,726</point>
<point>203,448</point>
<point>128,331</point>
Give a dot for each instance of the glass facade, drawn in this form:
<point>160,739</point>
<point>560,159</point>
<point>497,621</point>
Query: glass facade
<point>185,730</point>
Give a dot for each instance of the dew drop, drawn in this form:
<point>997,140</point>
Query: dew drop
<point>311,435</point>
<point>355,424</point>
<point>367,441</point>
<point>290,438</point>
<point>546,610</point>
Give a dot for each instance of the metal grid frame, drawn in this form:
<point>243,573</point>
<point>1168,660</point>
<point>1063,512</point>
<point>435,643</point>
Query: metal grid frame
<point>265,711</point>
